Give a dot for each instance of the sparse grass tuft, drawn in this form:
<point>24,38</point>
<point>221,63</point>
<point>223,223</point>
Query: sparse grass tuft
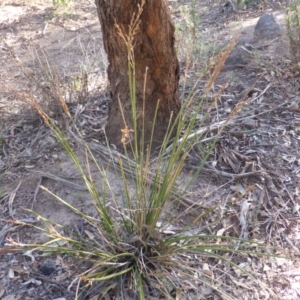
<point>62,2</point>
<point>293,28</point>
<point>188,36</point>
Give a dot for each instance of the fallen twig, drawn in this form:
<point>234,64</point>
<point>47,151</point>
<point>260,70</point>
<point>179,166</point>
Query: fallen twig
<point>226,174</point>
<point>62,180</point>
<point>36,192</point>
<point>11,199</point>
<point>267,87</point>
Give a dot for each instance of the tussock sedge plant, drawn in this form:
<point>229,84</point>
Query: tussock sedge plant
<point>132,254</point>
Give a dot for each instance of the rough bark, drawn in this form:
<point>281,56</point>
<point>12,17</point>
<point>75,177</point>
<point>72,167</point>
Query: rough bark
<point>153,49</point>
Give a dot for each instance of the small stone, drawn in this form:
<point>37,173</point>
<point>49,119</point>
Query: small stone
<point>239,57</point>
<point>55,156</point>
<point>277,6</point>
<point>267,27</point>
<point>48,267</point>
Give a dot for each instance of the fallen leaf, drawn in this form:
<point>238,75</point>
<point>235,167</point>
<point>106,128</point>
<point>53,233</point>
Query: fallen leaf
<point>17,269</point>
<point>238,188</point>
<point>295,208</point>
<point>266,268</point>
<point>178,294</point>
<point>238,283</point>
<point>11,273</point>
<point>207,271</point>
<point>11,297</point>
<point>90,234</point>
<point>33,281</point>
<point>29,254</point>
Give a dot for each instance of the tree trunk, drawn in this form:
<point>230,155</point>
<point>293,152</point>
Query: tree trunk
<point>154,50</point>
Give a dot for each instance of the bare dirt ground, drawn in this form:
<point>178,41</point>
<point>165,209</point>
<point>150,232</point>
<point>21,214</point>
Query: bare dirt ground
<point>262,139</point>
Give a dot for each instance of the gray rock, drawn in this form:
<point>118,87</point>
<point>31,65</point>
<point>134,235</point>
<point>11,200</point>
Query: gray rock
<point>48,267</point>
<point>267,27</point>
<point>238,58</point>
